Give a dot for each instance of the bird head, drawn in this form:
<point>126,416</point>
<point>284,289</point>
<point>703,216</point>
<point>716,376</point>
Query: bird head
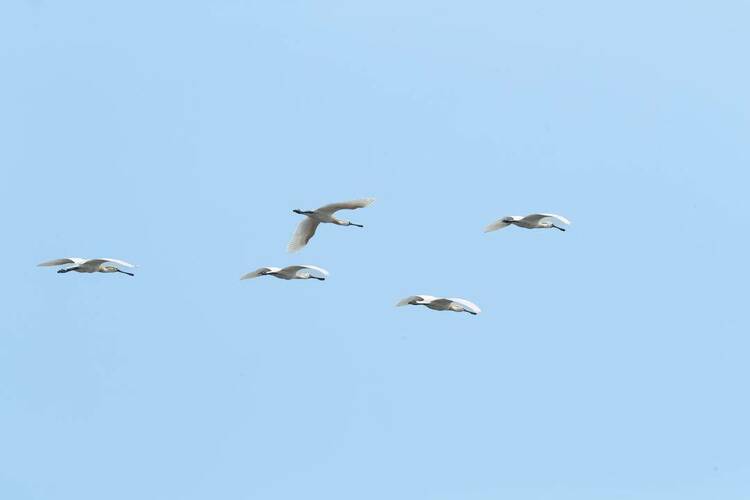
<point>108,269</point>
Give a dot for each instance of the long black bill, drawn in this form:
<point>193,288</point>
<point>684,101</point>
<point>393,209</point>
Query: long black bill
<point>125,272</point>
<point>357,225</point>
<point>558,227</point>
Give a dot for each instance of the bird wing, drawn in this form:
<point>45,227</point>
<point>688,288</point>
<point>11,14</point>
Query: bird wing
<point>345,205</point>
<point>536,218</point>
<point>98,262</point>
<point>467,305</point>
<point>420,298</point>
<point>498,224</point>
<point>62,262</point>
<point>445,303</point>
<point>302,235</point>
<point>259,272</point>
<point>292,270</point>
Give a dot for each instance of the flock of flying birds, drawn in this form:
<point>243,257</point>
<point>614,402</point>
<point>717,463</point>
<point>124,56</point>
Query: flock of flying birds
<point>306,230</point>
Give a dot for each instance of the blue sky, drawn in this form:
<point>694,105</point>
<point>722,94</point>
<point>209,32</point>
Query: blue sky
<point>610,361</point>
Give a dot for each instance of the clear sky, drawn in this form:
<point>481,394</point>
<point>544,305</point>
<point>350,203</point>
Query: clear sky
<point>610,361</point>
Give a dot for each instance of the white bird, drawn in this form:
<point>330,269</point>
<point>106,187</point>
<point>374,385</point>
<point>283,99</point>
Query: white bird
<point>441,304</point>
<point>88,265</point>
<point>304,272</point>
<point>533,221</point>
<point>307,227</point>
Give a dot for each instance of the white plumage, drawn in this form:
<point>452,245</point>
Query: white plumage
<point>441,304</point>
<point>88,265</point>
<point>302,272</point>
<point>533,221</point>
<point>306,228</point>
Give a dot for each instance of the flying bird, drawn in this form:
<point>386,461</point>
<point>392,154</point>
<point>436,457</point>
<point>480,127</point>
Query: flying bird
<point>307,227</point>
<point>88,265</point>
<point>289,273</point>
<point>441,304</point>
<point>533,221</point>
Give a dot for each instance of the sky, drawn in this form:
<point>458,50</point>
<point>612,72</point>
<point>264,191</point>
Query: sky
<point>609,362</point>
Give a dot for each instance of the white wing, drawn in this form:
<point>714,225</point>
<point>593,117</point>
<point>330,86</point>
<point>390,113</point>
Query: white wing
<point>95,263</point>
<point>293,270</point>
<point>120,262</point>
<point>345,205</point>
<point>98,262</point>
<point>61,262</point>
<point>302,235</point>
<point>498,224</point>
<point>536,218</point>
<point>470,306</point>
<point>419,298</point>
<point>259,272</point>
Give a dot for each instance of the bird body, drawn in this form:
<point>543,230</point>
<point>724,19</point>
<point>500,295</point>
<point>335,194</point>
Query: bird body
<point>303,272</point>
<point>441,304</point>
<point>533,221</point>
<point>323,215</point>
<point>88,265</point>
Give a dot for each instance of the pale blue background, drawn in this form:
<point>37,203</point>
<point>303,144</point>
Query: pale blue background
<point>611,361</point>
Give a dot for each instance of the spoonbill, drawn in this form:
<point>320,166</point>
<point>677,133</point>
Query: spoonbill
<point>533,221</point>
<point>289,273</point>
<point>441,304</point>
<point>88,265</point>
<point>307,227</point>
